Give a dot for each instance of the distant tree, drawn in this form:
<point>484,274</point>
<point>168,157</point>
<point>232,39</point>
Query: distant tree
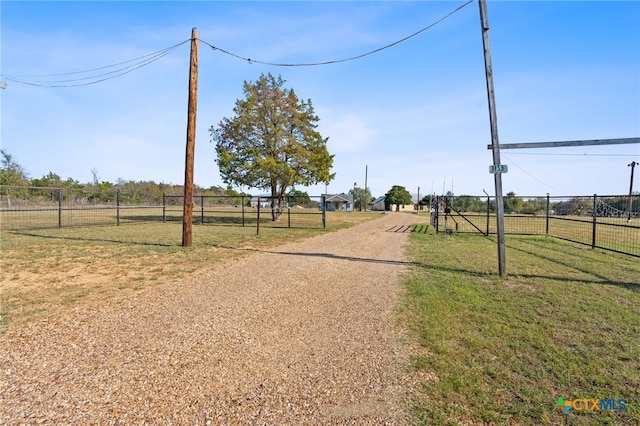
<point>12,173</point>
<point>235,196</point>
<point>398,195</point>
<point>466,203</point>
<point>537,206</point>
<point>50,180</point>
<point>102,193</point>
<point>512,204</point>
<point>272,142</point>
<point>361,198</point>
<point>298,197</point>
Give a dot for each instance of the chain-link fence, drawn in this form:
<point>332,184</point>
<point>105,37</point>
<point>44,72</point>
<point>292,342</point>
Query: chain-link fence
<point>607,222</point>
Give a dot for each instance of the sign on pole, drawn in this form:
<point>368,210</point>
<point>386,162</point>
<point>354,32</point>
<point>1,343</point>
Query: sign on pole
<point>497,169</point>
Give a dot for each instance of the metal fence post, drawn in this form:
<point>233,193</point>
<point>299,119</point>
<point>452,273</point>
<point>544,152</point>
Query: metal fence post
<point>258,221</point>
<point>288,212</point>
<point>164,207</point>
<point>437,215</point>
<point>548,211</point>
<point>324,211</point>
<point>488,213</point>
<point>593,233</point>
<point>242,200</point>
<point>118,207</point>
<point>202,209</point>
<point>59,207</point>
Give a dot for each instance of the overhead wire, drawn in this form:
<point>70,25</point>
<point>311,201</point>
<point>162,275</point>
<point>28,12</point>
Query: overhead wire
<point>137,63</point>
<point>574,155</point>
<point>532,176</point>
<point>133,64</point>
<point>337,61</point>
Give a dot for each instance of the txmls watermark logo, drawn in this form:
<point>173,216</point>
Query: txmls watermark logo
<point>590,405</point>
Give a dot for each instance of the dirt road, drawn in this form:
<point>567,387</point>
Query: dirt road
<point>301,334</point>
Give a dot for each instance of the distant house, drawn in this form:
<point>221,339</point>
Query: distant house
<point>402,207</point>
<point>265,201</point>
<point>378,204</point>
<point>339,202</point>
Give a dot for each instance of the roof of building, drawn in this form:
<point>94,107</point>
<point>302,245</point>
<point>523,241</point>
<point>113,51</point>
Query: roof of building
<point>346,198</point>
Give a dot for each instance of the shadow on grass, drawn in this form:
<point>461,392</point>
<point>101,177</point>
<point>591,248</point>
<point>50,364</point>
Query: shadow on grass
<point>575,264</point>
<point>419,228</point>
<point>102,240</point>
<point>441,268</point>
<point>598,280</point>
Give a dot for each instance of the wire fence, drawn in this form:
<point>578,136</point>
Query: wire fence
<point>35,208</point>
<point>32,208</point>
<point>606,222</point>
<point>288,212</point>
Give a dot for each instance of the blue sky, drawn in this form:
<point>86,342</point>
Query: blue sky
<point>416,114</point>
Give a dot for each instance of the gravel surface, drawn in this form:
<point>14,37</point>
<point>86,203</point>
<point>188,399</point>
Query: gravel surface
<point>300,334</point>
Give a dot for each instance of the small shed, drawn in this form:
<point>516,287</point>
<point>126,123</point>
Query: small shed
<point>378,204</point>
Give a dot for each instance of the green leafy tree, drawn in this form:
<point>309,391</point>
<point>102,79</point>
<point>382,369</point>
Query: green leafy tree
<point>361,197</point>
<point>466,203</point>
<point>299,197</point>
<point>272,142</point>
<point>50,180</point>
<point>398,195</point>
<point>12,173</point>
<point>512,204</point>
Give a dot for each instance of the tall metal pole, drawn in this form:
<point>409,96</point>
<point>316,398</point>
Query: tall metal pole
<point>353,207</point>
<point>632,165</point>
<point>187,215</point>
<point>366,176</point>
<point>495,144</point>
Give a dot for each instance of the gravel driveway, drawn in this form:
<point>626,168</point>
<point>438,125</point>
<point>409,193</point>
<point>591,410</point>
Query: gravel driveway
<point>301,334</point>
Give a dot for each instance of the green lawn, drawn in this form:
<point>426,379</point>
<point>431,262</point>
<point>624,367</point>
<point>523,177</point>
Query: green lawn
<point>565,323</point>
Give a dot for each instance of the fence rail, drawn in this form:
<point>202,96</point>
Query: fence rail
<point>249,211</point>
<point>33,208</point>
<point>605,222</point>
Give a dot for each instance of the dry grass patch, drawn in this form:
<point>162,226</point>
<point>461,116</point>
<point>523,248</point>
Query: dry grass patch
<point>46,271</point>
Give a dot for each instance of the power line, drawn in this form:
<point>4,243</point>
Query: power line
<point>532,176</point>
<point>137,63</point>
<point>575,155</point>
<point>337,61</point>
<point>133,64</point>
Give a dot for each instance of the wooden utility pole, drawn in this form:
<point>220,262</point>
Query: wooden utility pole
<point>495,144</point>
<point>187,214</point>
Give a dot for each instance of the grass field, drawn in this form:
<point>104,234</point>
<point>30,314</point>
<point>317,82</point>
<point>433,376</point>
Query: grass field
<point>47,270</point>
<point>52,217</point>
<point>566,323</point>
<point>611,233</point>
